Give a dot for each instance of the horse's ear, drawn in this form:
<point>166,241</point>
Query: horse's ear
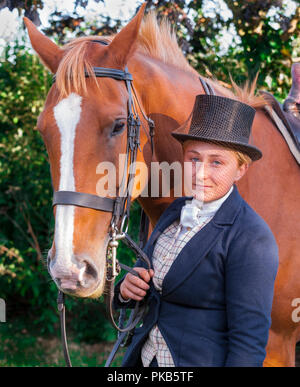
<point>49,52</point>
<point>123,43</point>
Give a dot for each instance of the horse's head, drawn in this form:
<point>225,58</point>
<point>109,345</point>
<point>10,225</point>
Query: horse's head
<point>83,124</point>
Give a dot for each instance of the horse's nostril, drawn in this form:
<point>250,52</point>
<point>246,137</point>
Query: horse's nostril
<point>90,270</point>
<point>89,275</point>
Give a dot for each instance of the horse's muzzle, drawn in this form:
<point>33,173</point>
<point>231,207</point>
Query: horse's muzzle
<point>79,278</point>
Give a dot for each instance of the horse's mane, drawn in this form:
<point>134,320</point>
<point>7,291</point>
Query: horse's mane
<point>155,39</point>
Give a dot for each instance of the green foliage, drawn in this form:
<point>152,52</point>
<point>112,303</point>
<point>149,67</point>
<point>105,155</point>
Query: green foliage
<point>25,201</point>
<point>265,43</point>
<point>23,346</point>
<point>264,39</point>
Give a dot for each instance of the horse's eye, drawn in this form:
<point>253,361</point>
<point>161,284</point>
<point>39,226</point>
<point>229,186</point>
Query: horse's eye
<point>118,128</point>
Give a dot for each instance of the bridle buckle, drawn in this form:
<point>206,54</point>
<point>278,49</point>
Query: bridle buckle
<point>113,267</point>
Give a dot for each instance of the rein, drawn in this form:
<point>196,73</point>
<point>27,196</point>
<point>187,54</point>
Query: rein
<point>120,209</point>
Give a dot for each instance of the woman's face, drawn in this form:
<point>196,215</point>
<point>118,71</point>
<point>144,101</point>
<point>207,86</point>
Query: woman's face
<point>209,170</point>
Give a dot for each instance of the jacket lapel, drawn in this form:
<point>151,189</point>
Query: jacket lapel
<point>167,218</point>
<point>190,256</point>
<point>200,244</point>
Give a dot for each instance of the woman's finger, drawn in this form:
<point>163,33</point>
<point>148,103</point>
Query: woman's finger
<point>127,293</point>
<point>136,290</point>
<point>144,274</point>
<point>138,282</point>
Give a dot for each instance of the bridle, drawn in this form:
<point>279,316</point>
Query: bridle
<point>119,207</point>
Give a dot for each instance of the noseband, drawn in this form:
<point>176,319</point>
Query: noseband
<point>119,206</point>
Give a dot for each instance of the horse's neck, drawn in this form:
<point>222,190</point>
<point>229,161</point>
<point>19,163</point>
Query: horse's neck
<point>275,176</point>
<point>167,95</point>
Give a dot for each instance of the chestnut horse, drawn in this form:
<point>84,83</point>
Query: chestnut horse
<point>77,125</point>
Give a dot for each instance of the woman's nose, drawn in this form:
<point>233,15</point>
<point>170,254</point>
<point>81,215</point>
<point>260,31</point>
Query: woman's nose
<point>201,171</point>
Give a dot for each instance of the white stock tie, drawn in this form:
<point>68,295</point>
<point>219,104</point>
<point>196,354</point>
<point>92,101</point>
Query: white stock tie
<point>193,212</point>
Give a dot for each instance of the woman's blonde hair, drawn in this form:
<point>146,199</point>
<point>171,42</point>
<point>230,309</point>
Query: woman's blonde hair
<point>242,158</point>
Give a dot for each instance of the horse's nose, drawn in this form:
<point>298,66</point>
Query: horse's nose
<point>82,273</point>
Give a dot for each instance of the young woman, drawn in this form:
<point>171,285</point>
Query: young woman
<point>214,258</point>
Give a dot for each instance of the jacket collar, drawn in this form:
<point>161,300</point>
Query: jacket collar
<point>226,214</point>
<point>208,207</point>
<point>229,209</point>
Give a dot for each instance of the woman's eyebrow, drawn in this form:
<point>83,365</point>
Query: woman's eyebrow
<point>193,151</point>
<point>212,155</point>
<point>215,155</point>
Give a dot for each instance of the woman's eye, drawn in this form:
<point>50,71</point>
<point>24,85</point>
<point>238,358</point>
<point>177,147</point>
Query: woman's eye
<point>195,159</point>
<point>118,128</point>
<point>216,162</point>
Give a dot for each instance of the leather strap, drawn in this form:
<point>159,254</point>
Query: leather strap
<point>62,317</point>
<point>116,346</point>
<point>119,75</point>
<point>83,200</point>
<point>144,228</point>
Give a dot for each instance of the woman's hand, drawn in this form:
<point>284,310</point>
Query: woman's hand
<point>134,287</point>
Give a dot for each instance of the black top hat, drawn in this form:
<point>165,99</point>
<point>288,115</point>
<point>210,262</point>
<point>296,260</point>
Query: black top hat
<point>220,120</point>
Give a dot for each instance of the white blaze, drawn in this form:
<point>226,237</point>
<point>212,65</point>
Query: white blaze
<point>67,115</point>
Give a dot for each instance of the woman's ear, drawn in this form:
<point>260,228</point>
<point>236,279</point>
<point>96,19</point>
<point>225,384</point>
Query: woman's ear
<point>241,171</point>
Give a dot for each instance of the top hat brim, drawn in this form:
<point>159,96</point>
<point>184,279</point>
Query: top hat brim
<point>253,152</point>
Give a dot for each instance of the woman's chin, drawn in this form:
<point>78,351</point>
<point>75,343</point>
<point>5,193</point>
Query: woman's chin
<point>201,193</point>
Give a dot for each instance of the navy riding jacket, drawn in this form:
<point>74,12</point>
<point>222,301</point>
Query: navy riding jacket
<point>215,306</point>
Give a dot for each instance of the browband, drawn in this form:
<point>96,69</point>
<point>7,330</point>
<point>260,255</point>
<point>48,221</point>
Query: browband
<point>119,75</point>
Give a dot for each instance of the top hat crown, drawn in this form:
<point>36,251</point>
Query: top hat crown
<point>220,120</point>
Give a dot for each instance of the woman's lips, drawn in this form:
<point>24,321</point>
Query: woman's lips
<point>201,186</point>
